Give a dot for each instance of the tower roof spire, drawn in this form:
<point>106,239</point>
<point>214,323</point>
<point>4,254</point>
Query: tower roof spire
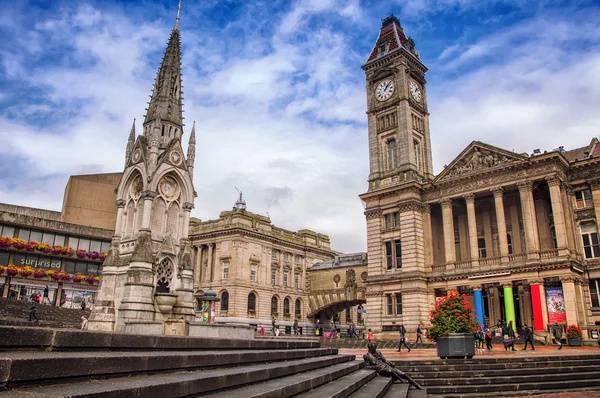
<point>166,101</point>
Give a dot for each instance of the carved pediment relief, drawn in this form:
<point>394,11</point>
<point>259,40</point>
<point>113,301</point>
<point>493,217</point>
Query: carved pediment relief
<point>380,74</point>
<point>478,157</point>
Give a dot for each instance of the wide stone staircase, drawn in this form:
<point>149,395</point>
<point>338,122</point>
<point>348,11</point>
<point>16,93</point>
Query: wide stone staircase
<point>42,362</point>
<point>501,376</point>
<point>16,313</point>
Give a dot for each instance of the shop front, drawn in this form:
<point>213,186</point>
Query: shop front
<point>73,295</point>
<point>23,288</point>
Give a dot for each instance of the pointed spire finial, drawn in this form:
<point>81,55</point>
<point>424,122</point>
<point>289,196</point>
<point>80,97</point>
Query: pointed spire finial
<point>132,132</point>
<point>193,134</point>
<point>178,15</point>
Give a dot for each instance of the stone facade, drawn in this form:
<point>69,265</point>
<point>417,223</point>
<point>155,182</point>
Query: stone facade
<point>258,270</point>
<point>499,226</point>
<point>147,276</point>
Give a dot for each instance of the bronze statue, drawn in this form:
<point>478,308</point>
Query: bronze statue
<point>376,360</point>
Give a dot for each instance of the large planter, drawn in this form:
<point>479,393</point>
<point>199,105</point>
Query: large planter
<point>165,302</point>
<point>456,346</point>
<point>574,342</point>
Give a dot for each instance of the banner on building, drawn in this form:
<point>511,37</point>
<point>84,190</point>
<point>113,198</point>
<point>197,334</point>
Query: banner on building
<point>555,300</point>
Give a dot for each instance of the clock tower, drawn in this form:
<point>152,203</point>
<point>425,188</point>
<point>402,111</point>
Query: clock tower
<point>399,168</point>
<point>399,141</point>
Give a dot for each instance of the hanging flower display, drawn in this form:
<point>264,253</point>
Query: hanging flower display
<point>50,274</point>
<point>12,270</point>
<point>5,241</point>
<point>81,253</point>
<point>97,279</point>
<point>78,277</point>
<point>103,255</point>
<point>2,270</point>
<point>42,247</point>
<point>90,279</point>
<point>18,243</point>
<point>93,254</point>
<point>452,314</point>
<point>26,271</point>
<point>39,273</point>
<point>62,276</point>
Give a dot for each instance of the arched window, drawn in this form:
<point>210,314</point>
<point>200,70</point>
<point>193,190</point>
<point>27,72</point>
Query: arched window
<point>298,308</point>
<point>286,306</point>
<point>224,302</point>
<point>392,154</point>
<point>252,302</point>
<point>274,306</point>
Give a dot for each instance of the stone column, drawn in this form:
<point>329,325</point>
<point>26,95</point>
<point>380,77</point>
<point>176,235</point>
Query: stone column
<point>494,304</point>
<point>568,287</point>
<point>509,304</point>
<point>448,228</point>
<point>187,208</point>
<point>478,302</point>
<point>558,215</point>
<point>148,197</point>
<point>538,304</point>
<point>427,236</point>
<point>525,304</point>
<point>119,225</point>
<point>501,223</point>
<point>532,242</point>
<point>580,302</point>
<point>197,267</point>
<point>472,223</point>
<point>210,261</point>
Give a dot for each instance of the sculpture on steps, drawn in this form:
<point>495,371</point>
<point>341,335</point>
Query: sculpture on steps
<point>375,360</point>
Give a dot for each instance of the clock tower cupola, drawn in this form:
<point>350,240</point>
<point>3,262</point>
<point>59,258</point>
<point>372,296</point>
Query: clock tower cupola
<point>399,140</point>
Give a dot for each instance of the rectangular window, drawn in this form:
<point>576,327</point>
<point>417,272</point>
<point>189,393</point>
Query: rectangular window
<point>84,244</point>
<point>8,231</point>
<point>81,267</point>
<point>59,240</point>
<point>225,270</point>
<point>389,304</point>
<point>105,246</point>
<point>297,259</point>
<point>589,234</point>
<point>4,258</point>
<point>595,292</point>
<point>93,268</point>
<point>397,219</point>
<point>481,248</point>
<point>583,198</point>
<point>95,245</point>
<point>273,277</point>
<point>398,250</point>
<point>285,279</point>
<point>388,221</point>
<point>24,233</point>
<point>35,236</point>
<point>398,303</point>
<point>510,244</point>
<point>286,257</point>
<point>253,272</point>
<point>297,281</point>
<point>48,238</point>
<point>70,267</point>
<point>388,255</point>
<point>274,254</point>
<point>73,242</point>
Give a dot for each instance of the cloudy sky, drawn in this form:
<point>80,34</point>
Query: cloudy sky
<point>277,93</point>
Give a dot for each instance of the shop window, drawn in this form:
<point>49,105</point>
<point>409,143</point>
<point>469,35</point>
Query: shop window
<point>252,302</point>
<point>225,267</point>
<point>595,292</point>
<point>84,244</point>
<point>510,243</point>
<point>93,268</point>
<point>224,302</point>
<point>24,233</point>
<point>583,198</point>
<point>4,258</point>
<point>7,230</point>
<point>274,305</point>
<point>105,247</point>
<point>481,248</point>
<point>35,236</point>
<point>398,297</point>
<point>389,301</point>
<point>73,242</point>
<point>81,267</point>
<point>253,272</point>
<point>589,234</point>
<point>48,238</point>
<point>20,259</point>
<point>70,267</point>
<point>59,240</point>
<point>95,245</point>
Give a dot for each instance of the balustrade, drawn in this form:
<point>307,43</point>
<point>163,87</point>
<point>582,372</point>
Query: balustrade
<point>489,261</point>
<point>549,253</point>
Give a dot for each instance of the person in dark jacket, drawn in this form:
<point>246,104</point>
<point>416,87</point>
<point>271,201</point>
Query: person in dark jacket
<point>557,334</point>
<point>402,339</point>
<point>528,337</point>
<point>508,334</point>
<point>419,335</point>
<point>488,339</point>
<point>32,311</point>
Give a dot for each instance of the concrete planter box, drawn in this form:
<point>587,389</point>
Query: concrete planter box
<point>456,346</point>
<point>574,342</point>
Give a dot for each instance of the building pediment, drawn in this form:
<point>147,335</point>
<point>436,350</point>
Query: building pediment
<point>173,155</point>
<point>478,157</point>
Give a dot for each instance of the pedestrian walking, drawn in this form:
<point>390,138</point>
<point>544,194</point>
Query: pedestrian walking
<point>370,335</point>
<point>488,339</point>
<point>33,310</point>
<point>419,335</point>
<point>273,325</point>
<point>333,329</point>
<point>295,326</point>
<point>46,299</point>
<point>528,338</point>
<point>508,334</point>
<point>557,334</point>
<point>84,323</point>
<point>402,339</point>
<point>261,330</point>
<point>83,305</point>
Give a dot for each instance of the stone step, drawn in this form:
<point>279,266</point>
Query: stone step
<point>78,340</point>
<point>29,367</point>
<point>292,385</point>
<point>482,366</point>
<point>484,372</point>
<point>399,390</point>
<point>342,387</point>
<point>502,380</point>
<point>491,389</point>
<point>177,384</point>
<point>417,393</point>
<point>577,392</point>
<point>376,388</point>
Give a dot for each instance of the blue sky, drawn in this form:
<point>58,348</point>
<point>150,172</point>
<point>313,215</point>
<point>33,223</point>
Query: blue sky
<point>278,96</point>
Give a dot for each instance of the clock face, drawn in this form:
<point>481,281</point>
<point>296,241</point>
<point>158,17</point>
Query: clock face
<point>384,90</point>
<point>168,188</point>
<point>415,91</point>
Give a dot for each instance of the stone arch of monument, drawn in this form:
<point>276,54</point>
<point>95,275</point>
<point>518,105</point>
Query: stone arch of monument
<point>335,301</point>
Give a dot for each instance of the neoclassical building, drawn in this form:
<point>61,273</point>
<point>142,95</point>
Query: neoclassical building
<point>516,232</point>
<point>258,270</point>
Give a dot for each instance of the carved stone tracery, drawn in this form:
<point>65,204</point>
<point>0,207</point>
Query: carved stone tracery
<point>479,159</point>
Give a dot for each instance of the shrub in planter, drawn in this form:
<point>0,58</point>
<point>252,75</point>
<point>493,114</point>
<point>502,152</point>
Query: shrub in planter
<point>574,335</point>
